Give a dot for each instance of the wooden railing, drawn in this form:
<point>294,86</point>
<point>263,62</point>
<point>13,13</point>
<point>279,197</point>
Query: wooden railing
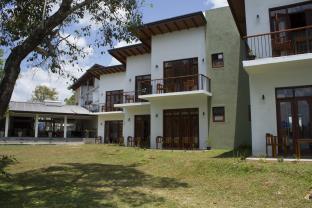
<point>279,43</point>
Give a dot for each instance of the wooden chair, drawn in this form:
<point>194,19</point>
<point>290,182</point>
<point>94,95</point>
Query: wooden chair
<point>98,140</point>
<point>282,44</point>
<point>186,143</point>
<point>189,85</point>
<point>160,88</point>
<point>130,141</point>
<point>159,140</point>
<point>271,141</point>
<point>121,141</point>
<point>167,143</point>
<point>176,143</point>
<point>137,141</point>
<point>129,98</point>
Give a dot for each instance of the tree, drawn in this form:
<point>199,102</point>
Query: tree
<point>1,65</point>
<point>42,93</point>
<point>41,33</point>
<point>71,100</point>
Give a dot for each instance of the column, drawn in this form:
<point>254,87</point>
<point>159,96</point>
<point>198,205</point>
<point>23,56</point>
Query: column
<point>36,125</point>
<point>7,121</point>
<point>65,127</point>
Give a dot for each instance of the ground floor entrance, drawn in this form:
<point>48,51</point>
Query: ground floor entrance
<point>142,129</point>
<point>113,131</point>
<point>181,128</point>
<point>294,113</point>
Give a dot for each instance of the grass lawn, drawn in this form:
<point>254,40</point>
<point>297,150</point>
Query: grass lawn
<point>109,176</point>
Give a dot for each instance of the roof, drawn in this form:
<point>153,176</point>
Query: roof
<point>95,72</point>
<point>238,11</point>
<point>122,53</point>
<point>55,108</point>
<point>146,31</point>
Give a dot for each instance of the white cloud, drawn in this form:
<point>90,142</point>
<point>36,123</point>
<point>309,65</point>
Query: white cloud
<point>29,79</point>
<point>216,3</point>
<point>80,42</point>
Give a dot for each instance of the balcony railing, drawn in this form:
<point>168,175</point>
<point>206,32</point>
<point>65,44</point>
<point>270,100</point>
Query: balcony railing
<point>280,43</point>
<point>102,107</point>
<point>133,97</point>
<point>179,84</point>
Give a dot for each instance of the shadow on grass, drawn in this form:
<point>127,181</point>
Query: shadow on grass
<point>83,185</point>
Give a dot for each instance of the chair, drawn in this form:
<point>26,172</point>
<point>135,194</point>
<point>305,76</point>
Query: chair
<point>129,98</point>
<point>271,141</point>
<point>186,143</point>
<point>167,143</point>
<point>189,85</point>
<point>176,143</point>
<point>281,45</point>
<point>160,88</point>
<point>159,140</point>
<point>137,141</point>
<point>130,141</point>
<point>98,140</point>
<point>121,141</point>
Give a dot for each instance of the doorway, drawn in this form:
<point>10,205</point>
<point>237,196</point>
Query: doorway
<point>181,125</point>
<point>113,132</point>
<point>142,129</point>
<point>294,113</point>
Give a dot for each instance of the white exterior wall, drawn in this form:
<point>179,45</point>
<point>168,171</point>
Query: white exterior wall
<point>261,8</point>
<point>264,82</point>
<point>136,66</point>
<point>128,122</point>
<point>178,45</point>
<point>157,107</point>
<point>101,122</point>
<point>111,82</point>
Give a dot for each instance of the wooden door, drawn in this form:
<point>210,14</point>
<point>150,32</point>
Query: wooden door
<point>142,129</point>
<point>181,124</point>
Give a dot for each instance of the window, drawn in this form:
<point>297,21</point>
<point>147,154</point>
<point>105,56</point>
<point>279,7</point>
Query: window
<point>217,60</point>
<point>218,114</point>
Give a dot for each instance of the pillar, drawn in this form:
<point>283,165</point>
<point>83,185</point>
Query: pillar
<point>36,125</point>
<point>7,121</point>
<point>65,127</point>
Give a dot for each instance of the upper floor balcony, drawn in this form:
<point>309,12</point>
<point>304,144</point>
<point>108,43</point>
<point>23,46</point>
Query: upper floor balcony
<point>102,108</point>
<point>176,86</point>
<point>281,43</point>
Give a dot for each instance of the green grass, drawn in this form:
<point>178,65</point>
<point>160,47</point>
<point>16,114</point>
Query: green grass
<point>110,176</point>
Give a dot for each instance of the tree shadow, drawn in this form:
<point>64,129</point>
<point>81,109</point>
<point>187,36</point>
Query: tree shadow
<point>84,185</point>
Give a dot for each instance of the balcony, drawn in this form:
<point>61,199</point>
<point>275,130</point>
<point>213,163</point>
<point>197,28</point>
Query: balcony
<point>280,43</point>
<point>177,86</point>
<point>102,108</point>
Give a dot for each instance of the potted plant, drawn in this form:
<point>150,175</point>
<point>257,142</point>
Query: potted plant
<point>1,134</point>
<point>251,55</point>
<point>50,134</point>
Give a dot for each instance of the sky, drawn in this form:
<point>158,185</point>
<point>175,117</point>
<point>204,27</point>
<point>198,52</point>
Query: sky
<point>160,9</point>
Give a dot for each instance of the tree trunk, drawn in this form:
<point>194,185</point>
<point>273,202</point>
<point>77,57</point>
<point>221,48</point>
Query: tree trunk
<point>11,72</point>
<point>17,55</point>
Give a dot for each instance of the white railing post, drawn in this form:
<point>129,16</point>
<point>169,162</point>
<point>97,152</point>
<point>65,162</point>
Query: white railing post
<point>36,125</point>
<point>7,122</point>
<point>65,127</point>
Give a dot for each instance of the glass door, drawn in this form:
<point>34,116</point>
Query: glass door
<point>142,129</point>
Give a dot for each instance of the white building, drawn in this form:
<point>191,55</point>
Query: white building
<point>161,95</point>
<point>278,34</point>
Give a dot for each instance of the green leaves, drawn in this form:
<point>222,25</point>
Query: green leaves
<point>42,93</point>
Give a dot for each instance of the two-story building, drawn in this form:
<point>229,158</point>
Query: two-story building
<point>278,37</point>
<point>183,86</point>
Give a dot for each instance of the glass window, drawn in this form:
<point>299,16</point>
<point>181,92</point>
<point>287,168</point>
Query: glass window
<point>284,93</point>
<point>217,60</point>
<point>218,114</point>
<point>303,92</point>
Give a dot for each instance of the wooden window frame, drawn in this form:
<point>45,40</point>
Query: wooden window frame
<point>213,116</point>
<point>212,60</point>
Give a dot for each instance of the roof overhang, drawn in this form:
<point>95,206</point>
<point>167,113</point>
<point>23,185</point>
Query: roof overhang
<point>96,71</point>
<point>146,31</point>
<point>238,11</point>
<point>122,53</point>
